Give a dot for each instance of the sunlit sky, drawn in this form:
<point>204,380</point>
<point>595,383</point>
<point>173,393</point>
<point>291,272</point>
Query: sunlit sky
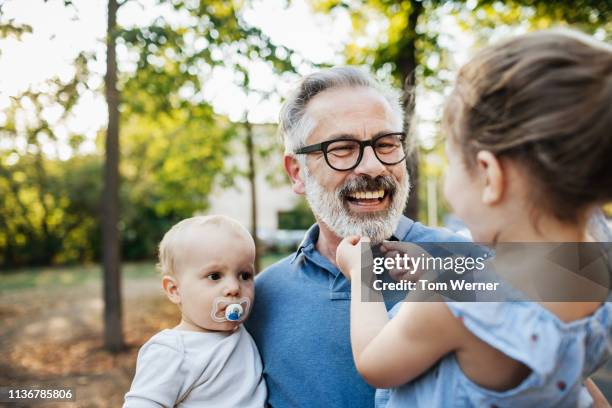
<point>60,33</point>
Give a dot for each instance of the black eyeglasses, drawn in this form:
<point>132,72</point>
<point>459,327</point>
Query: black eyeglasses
<point>345,154</point>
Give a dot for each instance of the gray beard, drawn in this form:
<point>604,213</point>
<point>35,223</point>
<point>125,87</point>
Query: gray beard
<point>328,207</point>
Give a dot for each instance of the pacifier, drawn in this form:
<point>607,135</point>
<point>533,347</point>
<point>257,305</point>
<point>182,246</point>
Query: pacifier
<point>229,311</point>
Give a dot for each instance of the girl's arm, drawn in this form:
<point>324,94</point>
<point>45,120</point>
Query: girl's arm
<point>408,345</point>
<point>390,353</point>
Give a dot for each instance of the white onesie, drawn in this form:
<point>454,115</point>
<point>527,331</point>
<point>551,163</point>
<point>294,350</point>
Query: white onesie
<point>195,369</point>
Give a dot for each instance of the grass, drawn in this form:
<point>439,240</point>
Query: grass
<point>74,275</point>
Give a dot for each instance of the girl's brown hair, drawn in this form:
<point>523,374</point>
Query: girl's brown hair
<point>543,99</point>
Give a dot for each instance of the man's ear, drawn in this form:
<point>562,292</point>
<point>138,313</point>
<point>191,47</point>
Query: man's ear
<point>170,285</point>
<point>492,173</point>
<point>292,167</point>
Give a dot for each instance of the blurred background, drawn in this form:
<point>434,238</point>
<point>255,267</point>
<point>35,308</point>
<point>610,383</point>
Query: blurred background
<point>117,119</point>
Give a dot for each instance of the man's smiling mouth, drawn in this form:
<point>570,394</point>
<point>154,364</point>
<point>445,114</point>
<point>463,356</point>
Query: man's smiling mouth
<point>369,201</point>
<point>365,194</point>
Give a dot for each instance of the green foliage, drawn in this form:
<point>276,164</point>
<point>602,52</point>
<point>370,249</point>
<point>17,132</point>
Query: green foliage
<point>172,59</point>
<point>384,39</point>
<point>47,210</point>
<point>169,167</point>
<point>12,29</point>
<point>42,213</point>
<point>590,16</point>
<point>50,209</point>
<point>300,217</point>
<point>173,145</point>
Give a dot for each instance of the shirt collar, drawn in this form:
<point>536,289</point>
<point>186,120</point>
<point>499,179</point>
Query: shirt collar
<point>309,241</point>
<point>403,228</point>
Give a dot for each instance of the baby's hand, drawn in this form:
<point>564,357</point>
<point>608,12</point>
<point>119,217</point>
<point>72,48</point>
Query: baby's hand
<point>348,255</point>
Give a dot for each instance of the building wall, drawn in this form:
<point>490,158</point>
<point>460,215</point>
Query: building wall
<point>235,201</point>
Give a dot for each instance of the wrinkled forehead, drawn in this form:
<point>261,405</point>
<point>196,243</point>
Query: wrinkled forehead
<point>358,112</point>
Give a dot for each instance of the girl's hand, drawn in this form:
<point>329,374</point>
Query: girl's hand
<point>599,400</point>
<point>348,255</point>
<point>391,249</point>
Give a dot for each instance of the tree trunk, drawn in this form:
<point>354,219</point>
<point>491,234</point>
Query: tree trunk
<point>251,174</point>
<point>113,332</point>
<point>407,63</point>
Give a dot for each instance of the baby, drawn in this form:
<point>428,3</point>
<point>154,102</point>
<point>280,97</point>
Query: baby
<point>209,359</point>
<point>529,148</point>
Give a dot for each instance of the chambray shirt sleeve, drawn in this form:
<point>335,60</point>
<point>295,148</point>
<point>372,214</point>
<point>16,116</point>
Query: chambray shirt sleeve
<point>158,379</point>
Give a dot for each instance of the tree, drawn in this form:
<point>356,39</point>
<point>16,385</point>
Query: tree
<point>113,330</point>
<point>251,176</point>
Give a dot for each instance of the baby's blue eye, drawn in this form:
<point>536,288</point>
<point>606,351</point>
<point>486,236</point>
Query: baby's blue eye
<point>214,276</point>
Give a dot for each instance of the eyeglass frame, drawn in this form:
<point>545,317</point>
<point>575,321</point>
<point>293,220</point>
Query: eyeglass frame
<point>322,147</point>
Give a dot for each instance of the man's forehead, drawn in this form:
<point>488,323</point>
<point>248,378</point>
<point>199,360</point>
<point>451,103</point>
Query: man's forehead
<point>352,111</point>
<point>350,100</point>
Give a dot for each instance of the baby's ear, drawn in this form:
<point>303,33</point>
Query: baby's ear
<point>170,285</point>
<point>492,171</point>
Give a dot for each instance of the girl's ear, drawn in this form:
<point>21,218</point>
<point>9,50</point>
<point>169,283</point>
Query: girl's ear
<point>292,167</point>
<point>170,285</point>
<point>491,170</point>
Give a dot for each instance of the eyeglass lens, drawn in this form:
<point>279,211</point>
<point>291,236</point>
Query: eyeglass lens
<point>344,154</point>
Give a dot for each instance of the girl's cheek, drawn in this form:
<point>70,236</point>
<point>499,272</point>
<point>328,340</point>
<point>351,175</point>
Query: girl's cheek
<point>447,187</point>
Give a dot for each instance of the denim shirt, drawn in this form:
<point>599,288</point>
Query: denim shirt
<point>300,323</point>
<point>560,355</point>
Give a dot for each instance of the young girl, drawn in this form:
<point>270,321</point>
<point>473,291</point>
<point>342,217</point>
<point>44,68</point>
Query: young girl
<point>530,147</point>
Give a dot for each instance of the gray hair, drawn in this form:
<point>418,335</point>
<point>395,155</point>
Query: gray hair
<point>295,126</point>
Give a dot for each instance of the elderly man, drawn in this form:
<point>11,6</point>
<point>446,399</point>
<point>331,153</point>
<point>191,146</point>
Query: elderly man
<point>344,139</point>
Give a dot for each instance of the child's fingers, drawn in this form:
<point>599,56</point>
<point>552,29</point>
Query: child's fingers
<point>354,239</point>
<point>351,240</point>
<point>599,400</point>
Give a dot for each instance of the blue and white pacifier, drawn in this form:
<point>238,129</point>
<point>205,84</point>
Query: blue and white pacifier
<point>234,312</point>
<point>229,311</point>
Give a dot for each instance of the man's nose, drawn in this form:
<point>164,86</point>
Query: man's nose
<point>232,287</point>
<point>370,164</point>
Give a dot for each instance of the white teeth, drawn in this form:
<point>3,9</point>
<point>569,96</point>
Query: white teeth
<point>368,195</point>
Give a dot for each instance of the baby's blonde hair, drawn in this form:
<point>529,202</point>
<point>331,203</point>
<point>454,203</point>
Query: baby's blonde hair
<point>171,241</point>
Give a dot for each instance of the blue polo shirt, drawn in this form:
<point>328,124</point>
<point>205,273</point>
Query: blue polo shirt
<point>300,322</point>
